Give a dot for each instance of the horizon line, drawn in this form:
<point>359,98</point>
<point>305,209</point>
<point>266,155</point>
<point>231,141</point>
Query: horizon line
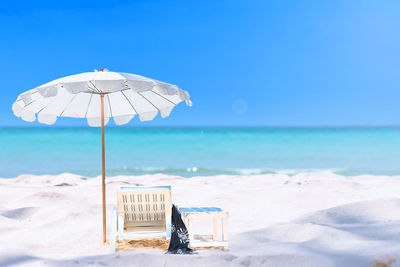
<point>211,127</point>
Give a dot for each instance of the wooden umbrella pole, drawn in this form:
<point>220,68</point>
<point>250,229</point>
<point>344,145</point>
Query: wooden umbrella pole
<point>103,166</point>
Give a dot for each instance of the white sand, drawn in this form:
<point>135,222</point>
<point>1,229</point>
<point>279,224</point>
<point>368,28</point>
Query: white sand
<point>315,219</point>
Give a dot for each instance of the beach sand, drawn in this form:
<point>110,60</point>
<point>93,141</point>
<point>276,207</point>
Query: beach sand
<point>310,219</point>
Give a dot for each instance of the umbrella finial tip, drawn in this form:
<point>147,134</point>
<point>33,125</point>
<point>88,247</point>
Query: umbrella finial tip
<point>101,69</point>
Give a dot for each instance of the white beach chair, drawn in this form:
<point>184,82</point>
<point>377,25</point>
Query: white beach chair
<point>141,212</point>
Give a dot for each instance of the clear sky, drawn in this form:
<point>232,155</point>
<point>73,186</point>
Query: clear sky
<point>245,63</point>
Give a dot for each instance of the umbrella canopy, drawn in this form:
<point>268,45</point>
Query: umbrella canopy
<point>78,96</point>
<point>98,96</point>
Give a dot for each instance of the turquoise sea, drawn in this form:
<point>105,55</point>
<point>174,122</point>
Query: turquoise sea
<point>199,151</point>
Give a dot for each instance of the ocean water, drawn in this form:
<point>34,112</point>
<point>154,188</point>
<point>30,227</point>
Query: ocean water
<point>199,151</point>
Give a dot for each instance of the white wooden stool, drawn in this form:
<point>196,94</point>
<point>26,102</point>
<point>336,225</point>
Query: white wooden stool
<point>217,215</point>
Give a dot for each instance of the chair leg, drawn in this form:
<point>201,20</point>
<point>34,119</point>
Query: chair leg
<point>224,230</point>
<point>215,229</point>
<point>190,228</point>
<point>114,226</point>
<point>168,227</point>
<point>120,227</point>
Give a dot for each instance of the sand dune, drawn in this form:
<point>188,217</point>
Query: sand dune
<point>311,219</point>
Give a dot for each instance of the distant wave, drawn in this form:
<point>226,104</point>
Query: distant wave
<point>198,171</point>
<point>201,171</point>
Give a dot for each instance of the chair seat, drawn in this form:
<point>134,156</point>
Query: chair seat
<point>143,234</point>
<point>144,228</point>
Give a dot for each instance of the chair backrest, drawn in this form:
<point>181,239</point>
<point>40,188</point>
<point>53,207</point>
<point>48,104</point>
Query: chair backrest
<point>145,208</point>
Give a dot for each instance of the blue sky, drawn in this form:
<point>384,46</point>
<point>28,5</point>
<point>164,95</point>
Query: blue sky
<point>245,63</point>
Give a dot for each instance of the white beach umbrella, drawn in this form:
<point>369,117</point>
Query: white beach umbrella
<point>98,96</point>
